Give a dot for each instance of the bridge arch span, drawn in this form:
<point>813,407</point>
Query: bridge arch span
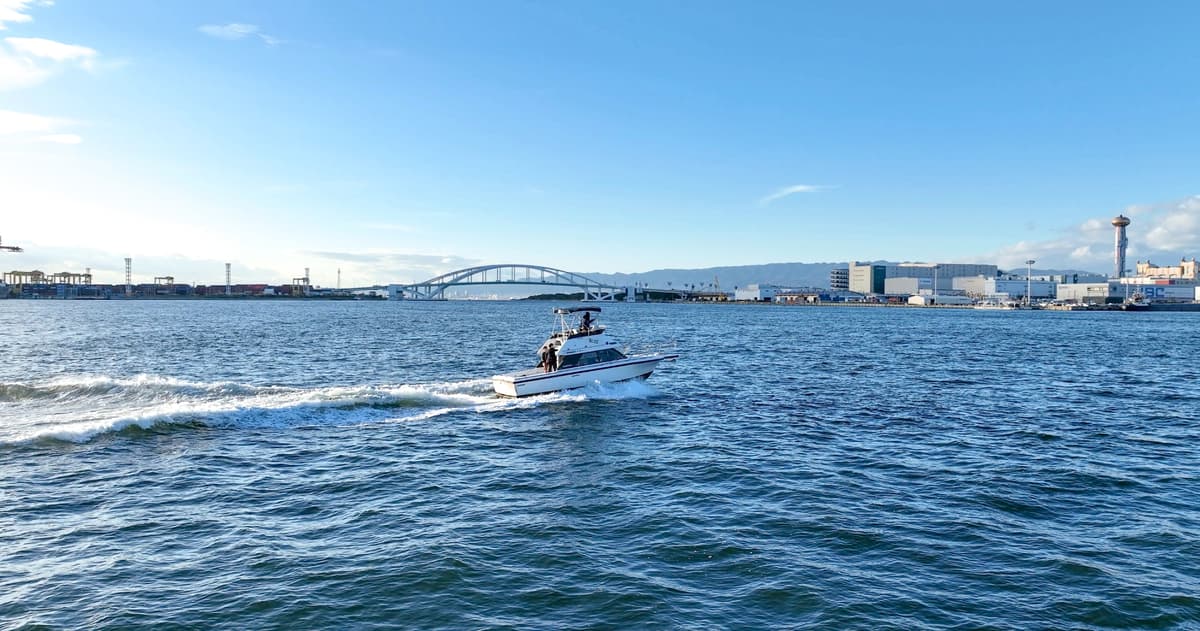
<point>504,274</point>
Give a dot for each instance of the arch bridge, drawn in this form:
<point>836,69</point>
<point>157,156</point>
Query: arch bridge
<point>505,274</point>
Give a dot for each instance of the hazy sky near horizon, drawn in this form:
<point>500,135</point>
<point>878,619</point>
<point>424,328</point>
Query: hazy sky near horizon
<point>399,140</point>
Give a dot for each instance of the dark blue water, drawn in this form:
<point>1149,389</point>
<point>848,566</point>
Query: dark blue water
<point>344,465</point>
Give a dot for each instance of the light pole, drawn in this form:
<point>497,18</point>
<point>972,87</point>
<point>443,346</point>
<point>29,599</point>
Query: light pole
<point>1029,282</point>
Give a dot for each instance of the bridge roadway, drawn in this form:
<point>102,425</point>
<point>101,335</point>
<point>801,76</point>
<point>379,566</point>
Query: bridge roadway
<point>512,274</point>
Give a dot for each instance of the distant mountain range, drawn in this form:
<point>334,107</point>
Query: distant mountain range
<point>782,274</point>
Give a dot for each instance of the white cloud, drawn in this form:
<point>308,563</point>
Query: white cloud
<point>34,127</point>
<point>16,11</point>
<point>1177,228</point>
<point>50,49</point>
<point>1160,232</point>
<point>791,190</point>
<point>62,139</point>
<point>233,30</point>
<point>21,123</point>
<point>392,265</point>
<point>26,61</point>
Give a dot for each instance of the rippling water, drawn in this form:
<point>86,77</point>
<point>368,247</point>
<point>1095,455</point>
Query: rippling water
<point>309,464</point>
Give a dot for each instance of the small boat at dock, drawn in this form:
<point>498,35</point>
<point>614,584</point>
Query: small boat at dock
<point>1136,302</point>
<point>577,354</point>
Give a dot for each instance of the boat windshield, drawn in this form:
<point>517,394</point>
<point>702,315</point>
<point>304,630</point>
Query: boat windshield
<point>589,358</point>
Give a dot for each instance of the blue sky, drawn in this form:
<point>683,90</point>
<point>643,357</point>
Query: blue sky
<point>400,140</point>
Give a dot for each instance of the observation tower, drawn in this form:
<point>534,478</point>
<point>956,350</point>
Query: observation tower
<point>1119,222</point>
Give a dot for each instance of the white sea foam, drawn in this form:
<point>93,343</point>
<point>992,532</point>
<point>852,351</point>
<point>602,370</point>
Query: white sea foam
<point>79,408</point>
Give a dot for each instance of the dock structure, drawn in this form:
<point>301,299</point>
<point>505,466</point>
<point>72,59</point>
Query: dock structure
<point>38,277</point>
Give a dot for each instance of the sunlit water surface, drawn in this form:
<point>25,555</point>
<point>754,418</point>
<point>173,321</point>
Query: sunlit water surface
<point>344,464</point>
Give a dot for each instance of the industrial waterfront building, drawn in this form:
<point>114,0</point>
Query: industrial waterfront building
<point>1038,288</point>
<point>756,293</point>
<point>872,278</point>
<point>839,279</point>
<point>906,286</point>
<point>941,274</point>
<point>1186,270</point>
<point>866,278</point>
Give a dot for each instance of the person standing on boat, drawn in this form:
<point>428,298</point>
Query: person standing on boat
<point>550,359</point>
<point>586,324</point>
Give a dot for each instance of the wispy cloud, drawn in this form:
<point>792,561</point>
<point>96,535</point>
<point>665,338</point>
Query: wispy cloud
<point>21,123</point>
<point>62,139</point>
<point>26,61</point>
<point>791,190</point>
<point>50,49</point>
<point>16,11</point>
<point>237,30</point>
<point>395,266</point>
<point>391,227</point>
<point>25,127</point>
<point>232,30</point>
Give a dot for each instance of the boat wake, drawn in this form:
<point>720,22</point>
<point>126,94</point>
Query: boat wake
<point>77,409</point>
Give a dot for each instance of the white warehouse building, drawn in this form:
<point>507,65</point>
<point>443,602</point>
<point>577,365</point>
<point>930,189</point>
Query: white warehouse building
<point>945,273</point>
<point>1006,287</point>
<point>756,293</point>
<point>907,286</point>
<point>1117,290</point>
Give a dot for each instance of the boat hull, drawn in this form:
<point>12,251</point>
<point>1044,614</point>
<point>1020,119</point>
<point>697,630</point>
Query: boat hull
<point>528,383</point>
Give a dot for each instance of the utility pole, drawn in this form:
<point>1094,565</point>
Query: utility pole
<point>1029,282</point>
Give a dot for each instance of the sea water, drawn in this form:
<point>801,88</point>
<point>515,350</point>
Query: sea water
<point>303,464</point>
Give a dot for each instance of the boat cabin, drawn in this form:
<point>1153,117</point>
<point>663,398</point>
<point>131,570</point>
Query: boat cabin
<point>579,341</point>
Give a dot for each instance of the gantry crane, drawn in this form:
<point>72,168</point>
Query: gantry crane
<point>9,248</point>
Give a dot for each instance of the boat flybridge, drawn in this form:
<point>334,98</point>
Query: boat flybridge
<point>578,353</point>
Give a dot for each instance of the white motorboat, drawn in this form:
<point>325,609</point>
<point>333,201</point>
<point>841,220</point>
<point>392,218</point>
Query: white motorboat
<point>1003,305</point>
<point>577,354</point>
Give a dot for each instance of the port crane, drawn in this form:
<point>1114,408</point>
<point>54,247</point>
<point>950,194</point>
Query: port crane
<point>9,248</point>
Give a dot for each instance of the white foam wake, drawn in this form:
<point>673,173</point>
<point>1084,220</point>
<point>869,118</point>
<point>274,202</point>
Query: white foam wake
<point>79,408</point>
